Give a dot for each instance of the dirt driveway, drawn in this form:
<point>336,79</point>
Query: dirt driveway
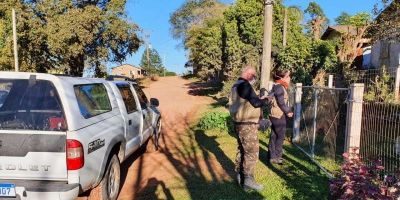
<point>151,175</point>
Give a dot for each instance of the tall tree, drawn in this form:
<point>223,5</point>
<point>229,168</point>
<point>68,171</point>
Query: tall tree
<point>193,13</point>
<point>198,23</point>
<point>358,20</point>
<point>151,62</point>
<point>72,35</point>
<point>318,19</point>
<point>351,41</point>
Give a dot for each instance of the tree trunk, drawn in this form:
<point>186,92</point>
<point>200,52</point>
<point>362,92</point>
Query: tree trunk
<point>285,29</point>
<point>316,27</point>
<point>76,65</point>
<point>350,44</point>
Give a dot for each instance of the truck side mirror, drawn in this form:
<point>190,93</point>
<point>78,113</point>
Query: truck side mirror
<point>154,102</point>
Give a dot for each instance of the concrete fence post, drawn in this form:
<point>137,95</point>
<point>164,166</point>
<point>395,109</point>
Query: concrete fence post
<point>397,85</point>
<point>297,112</point>
<point>330,81</point>
<point>354,116</point>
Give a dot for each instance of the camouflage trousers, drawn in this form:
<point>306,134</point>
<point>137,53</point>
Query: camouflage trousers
<point>248,148</point>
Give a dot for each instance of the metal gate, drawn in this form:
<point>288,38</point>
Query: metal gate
<point>320,124</point>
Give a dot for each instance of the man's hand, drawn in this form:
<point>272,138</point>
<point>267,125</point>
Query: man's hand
<point>269,98</point>
<point>290,114</point>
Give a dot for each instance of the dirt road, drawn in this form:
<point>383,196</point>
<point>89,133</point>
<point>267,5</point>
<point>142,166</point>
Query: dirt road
<point>149,175</point>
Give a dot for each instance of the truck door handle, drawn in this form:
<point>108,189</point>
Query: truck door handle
<point>144,116</point>
<point>130,122</point>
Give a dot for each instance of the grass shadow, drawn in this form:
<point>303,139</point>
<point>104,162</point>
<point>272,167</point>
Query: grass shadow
<point>301,177</point>
<point>192,156</point>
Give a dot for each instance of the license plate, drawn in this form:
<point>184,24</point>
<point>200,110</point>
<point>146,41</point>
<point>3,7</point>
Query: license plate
<point>7,190</point>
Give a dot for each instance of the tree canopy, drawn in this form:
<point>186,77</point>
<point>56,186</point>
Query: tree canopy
<point>219,45</point>
<point>151,62</point>
<point>67,35</point>
<point>359,20</point>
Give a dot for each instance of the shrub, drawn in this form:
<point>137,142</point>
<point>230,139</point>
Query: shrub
<point>380,90</point>
<point>358,181</point>
<point>216,120</point>
<point>170,73</point>
<point>226,89</point>
<point>154,77</point>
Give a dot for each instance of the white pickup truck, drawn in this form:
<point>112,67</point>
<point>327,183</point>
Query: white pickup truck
<point>61,136</point>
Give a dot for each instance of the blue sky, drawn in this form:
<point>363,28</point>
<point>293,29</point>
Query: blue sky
<point>153,17</point>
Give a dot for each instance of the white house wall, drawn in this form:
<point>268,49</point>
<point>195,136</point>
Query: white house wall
<point>385,53</point>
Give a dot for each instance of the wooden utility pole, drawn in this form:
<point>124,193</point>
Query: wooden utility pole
<point>267,41</point>
<point>285,20</point>
<point>14,21</point>
<point>146,40</point>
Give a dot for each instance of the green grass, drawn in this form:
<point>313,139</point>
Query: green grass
<point>297,179</point>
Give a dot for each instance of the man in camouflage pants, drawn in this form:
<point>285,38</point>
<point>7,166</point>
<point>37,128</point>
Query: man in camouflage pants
<point>244,107</point>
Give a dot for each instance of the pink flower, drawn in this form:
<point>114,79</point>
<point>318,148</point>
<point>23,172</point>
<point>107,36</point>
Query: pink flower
<point>380,167</point>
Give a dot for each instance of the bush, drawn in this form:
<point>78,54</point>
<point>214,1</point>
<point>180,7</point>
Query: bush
<point>154,77</point>
<point>226,89</point>
<point>216,120</point>
<point>358,181</point>
<point>170,73</point>
<point>379,90</point>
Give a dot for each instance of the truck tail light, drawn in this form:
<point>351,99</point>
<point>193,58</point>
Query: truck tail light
<point>75,158</point>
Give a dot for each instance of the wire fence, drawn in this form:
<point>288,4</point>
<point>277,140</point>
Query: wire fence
<point>323,125</point>
<point>325,115</point>
<point>380,136</point>
<point>376,81</point>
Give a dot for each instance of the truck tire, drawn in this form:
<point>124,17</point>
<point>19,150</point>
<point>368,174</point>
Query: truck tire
<point>153,144</point>
<point>108,189</point>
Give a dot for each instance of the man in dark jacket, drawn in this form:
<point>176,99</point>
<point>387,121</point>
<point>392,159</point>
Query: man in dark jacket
<point>244,107</point>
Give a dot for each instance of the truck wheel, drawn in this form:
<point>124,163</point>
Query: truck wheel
<point>153,144</point>
<point>108,188</point>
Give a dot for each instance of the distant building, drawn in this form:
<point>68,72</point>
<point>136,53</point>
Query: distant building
<point>129,71</point>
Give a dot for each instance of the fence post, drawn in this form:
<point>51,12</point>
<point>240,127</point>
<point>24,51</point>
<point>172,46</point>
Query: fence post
<point>297,112</point>
<point>330,81</point>
<point>397,84</point>
<point>354,116</point>
<point>314,121</point>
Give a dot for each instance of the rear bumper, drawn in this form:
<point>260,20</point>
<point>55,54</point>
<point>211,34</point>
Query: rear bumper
<point>44,190</point>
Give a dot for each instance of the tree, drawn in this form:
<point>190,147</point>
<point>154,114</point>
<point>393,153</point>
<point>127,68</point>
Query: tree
<point>205,49</point>
<point>151,62</point>
<point>198,24</point>
<point>387,23</point>
<point>318,19</point>
<point>358,20</point>
<point>72,35</point>
<point>343,19</point>
<point>351,41</point>
<point>220,44</point>
<point>193,13</point>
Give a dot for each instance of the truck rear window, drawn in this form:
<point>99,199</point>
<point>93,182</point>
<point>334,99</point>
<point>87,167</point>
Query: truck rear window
<point>30,105</point>
<point>92,99</point>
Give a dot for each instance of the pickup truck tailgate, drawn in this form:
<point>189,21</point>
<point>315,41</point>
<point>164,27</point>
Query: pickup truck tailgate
<point>33,155</point>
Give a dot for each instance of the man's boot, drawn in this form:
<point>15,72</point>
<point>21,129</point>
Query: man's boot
<point>250,184</point>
